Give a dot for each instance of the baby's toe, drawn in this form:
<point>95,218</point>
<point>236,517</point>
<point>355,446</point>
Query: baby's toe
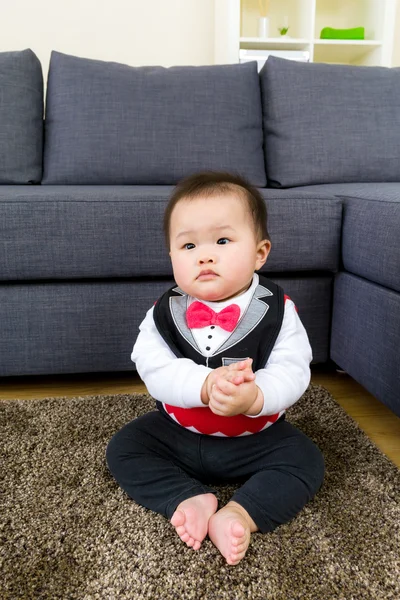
<point>240,548</point>
<point>238,531</point>
<point>180,530</point>
<point>178,518</point>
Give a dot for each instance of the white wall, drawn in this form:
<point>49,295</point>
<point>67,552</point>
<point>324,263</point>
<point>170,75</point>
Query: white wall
<point>396,44</point>
<point>135,32</point>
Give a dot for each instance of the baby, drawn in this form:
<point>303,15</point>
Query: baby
<point>224,354</point>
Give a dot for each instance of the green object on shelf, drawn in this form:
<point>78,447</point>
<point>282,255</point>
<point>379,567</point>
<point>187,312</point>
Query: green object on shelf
<point>356,33</point>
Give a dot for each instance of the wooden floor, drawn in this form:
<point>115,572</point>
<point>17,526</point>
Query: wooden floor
<point>378,422</point>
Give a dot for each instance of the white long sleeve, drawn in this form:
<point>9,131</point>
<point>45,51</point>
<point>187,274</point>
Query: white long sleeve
<point>178,381</point>
<point>286,376</point>
<point>175,381</point>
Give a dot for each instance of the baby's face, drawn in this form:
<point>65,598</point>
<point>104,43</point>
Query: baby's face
<point>213,248</point>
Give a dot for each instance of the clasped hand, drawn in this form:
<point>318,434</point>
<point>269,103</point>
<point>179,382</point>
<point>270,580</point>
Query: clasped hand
<point>232,390</point>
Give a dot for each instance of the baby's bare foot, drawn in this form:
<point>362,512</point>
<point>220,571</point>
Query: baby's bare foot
<point>191,518</point>
<point>229,529</point>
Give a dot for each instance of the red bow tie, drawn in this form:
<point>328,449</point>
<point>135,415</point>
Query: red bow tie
<point>199,315</point>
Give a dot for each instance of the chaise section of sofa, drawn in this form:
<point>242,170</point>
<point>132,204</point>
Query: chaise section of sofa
<point>366,314</point>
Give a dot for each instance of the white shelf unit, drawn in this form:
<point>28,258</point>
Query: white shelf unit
<point>236,28</point>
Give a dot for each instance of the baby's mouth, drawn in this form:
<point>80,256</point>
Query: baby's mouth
<point>206,274</point>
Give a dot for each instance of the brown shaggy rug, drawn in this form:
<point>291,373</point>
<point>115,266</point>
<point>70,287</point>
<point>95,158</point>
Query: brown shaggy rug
<point>68,532</point>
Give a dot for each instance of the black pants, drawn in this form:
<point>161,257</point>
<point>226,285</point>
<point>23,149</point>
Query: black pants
<point>159,464</point>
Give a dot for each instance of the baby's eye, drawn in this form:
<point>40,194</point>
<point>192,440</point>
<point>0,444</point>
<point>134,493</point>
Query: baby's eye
<point>188,246</point>
<point>223,241</point>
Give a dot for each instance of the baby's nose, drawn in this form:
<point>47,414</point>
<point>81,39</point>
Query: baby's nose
<point>206,259</point>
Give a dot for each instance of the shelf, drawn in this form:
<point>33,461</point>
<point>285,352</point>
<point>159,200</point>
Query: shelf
<point>237,28</point>
<point>372,43</point>
<point>373,15</point>
<point>254,43</point>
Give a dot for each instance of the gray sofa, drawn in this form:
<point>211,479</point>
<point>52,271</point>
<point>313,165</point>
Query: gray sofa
<point>81,250</point>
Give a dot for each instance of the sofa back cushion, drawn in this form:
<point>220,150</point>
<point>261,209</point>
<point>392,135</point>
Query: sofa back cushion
<point>21,117</point>
<point>109,123</point>
<point>330,123</point>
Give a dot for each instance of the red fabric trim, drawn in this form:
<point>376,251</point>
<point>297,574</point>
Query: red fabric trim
<point>205,421</point>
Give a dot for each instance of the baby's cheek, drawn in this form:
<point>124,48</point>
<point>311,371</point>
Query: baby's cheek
<point>180,273</point>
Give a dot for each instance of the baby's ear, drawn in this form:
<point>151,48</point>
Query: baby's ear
<point>263,249</point>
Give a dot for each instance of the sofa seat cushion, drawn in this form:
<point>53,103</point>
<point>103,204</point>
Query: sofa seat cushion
<point>75,232</point>
<point>371,229</point>
<point>21,117</point>
<point>109,123</point>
